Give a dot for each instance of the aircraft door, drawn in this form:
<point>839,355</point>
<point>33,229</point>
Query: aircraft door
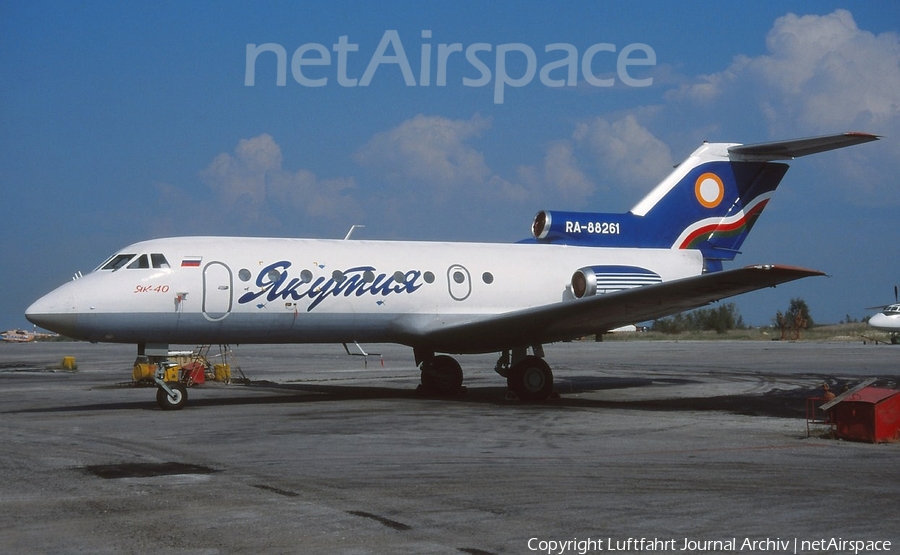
<point>459,282</point>
<point>217,287</point>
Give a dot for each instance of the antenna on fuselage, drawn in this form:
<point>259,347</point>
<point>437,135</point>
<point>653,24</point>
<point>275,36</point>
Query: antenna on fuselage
<point>362,353</point>
<point>352,229</point>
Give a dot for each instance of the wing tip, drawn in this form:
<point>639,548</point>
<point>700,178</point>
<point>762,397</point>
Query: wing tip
<point>787,269</point>
<point>863,134</point>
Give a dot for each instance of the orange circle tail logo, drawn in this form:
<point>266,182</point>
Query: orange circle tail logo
<point>709,190</point>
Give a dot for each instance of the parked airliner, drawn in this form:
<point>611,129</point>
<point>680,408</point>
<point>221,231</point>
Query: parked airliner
<point>580,274</point>
<point>888,319</point>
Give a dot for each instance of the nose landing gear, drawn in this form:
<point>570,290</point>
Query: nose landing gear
<point>170,395</point>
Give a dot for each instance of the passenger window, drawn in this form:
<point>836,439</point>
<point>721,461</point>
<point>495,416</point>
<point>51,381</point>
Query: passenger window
<point>159,261</point>
<point>139,263</point>
<point>117,262</point>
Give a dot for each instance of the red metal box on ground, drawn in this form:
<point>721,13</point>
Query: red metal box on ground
<point>871,414</point>
<point>196,372</point>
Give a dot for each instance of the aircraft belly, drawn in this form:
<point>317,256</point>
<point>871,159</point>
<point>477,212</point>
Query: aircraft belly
<point>246,328</point>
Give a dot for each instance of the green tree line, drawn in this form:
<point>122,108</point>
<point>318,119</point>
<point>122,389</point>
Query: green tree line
<point>721,319</point>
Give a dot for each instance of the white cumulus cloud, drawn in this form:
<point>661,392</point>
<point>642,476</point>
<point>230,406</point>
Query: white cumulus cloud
<point>433,152</point>
<point>615,156</point>
<point>625,151</point>
<point>252,188</point>
<point>240,179</point>
<point>563,173</point>
<point>822,73</point>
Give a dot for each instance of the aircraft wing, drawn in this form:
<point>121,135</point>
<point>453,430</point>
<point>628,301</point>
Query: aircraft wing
<point>601,313</point>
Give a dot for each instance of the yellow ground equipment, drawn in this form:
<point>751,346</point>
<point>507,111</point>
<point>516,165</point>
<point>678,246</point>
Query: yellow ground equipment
<point>223,373</point>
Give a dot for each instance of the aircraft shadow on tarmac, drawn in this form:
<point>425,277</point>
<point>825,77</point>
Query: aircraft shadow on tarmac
<point>776,403</point>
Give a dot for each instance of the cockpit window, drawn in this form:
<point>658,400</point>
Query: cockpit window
<point>139,263</point>
<point>117,262</point>
<point>159,261</point>
<point>144,261</point>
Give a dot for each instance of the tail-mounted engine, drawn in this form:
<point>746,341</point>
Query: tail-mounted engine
<point>598,280</point>
<point>580,228</point>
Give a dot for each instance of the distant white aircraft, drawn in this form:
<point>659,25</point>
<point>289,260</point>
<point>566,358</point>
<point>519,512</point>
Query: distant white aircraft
<point>580,274</point>
<point>17,336</point>
<point>888,319</point>
<point>22,336</point>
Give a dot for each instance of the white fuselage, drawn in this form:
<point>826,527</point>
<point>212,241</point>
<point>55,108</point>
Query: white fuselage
<point>887,320</point>
<point>256,290</point>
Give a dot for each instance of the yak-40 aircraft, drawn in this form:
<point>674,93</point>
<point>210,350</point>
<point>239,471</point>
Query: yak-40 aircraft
<point>580,274</point>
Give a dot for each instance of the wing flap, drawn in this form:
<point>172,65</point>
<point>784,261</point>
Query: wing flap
<point>570,319</point>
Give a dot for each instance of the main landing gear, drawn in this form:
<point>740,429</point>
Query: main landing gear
<point>441,376</point>
<point>528,376</point>
<point>530,379</point>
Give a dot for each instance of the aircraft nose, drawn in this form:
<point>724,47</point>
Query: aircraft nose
<point>878,320</point>
<point>55,311</point>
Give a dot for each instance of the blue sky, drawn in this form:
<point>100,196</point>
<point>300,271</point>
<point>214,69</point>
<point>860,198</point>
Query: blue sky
<point>124,122</point>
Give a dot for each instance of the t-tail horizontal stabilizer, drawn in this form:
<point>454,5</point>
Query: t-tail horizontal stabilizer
<point>788,150</point>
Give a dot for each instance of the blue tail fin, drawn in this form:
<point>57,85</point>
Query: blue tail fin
<point>709,202</point>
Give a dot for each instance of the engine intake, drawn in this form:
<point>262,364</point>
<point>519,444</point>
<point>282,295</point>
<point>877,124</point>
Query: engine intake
<point>598,280</point>
<point>588,228</point>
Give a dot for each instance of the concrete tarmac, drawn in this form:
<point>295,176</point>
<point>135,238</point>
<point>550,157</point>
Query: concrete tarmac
<point>669,442</point>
